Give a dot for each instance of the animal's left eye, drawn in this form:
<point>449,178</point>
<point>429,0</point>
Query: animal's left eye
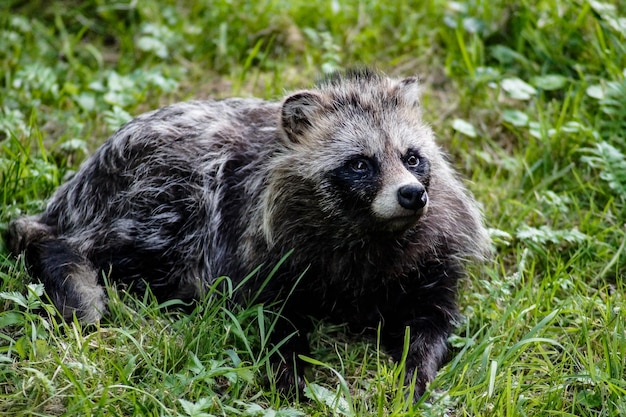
<point>412,160</point>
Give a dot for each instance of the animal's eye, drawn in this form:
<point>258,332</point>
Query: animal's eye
<point>412,161</point>
<point>359,165</point>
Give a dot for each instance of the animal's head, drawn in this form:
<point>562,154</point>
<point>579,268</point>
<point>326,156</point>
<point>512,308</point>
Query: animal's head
<point>358,146</point>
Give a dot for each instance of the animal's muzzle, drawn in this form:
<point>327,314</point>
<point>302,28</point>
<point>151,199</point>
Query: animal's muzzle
<point>412,196</point>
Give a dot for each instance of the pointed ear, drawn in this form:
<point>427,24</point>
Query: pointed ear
<point>409,91</point>
<point>298,113</point>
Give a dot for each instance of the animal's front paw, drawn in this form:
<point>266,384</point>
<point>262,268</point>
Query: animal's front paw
<point>287,377</point>
<point>421,378</point>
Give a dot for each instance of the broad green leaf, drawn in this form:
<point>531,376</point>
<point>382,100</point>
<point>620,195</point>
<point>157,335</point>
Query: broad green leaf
<point>595,91</point>
<point>464,127</point>
<point>550,82</point>
<point>515,117</point>
<point>335,401</point>
<point>16,297</point>
<point>518,89</point>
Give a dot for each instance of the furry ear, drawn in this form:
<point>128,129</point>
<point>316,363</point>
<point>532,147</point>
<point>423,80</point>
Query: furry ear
<point>409,91</point>
<point>298,112</point>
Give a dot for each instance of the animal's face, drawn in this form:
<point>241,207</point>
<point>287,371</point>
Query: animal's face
<point>387,190</point>
<point>366,153</point>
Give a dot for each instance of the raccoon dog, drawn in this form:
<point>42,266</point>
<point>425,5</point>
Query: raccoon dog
<point>345,175</point>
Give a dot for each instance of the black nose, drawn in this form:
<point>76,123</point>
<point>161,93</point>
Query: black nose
<point>412,196</point>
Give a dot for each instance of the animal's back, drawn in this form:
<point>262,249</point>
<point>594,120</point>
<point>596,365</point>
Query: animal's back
<point>162,198</point>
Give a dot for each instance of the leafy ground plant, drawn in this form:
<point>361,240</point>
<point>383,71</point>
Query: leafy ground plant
<point>528,97</point>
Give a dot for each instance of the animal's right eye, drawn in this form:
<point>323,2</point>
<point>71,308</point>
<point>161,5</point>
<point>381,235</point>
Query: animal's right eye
<point>359,165</point>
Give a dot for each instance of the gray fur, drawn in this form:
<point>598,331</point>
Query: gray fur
<point>193,191</point>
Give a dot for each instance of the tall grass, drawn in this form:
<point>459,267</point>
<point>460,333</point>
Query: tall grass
<point>528,98</point>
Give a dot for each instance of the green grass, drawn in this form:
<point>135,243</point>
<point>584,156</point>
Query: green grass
<point>529,98</point>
